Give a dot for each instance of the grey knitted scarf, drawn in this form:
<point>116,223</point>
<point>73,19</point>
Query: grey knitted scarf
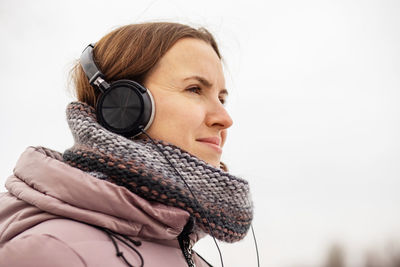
<point>223,204</point>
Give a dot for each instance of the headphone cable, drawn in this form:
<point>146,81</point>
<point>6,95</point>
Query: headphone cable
<point>255,244</point>
<point>194,196</point>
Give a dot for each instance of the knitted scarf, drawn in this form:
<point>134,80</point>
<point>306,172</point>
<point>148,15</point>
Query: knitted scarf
<point>222,204</point>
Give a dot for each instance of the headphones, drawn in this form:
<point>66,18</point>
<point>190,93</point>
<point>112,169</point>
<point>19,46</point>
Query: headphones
<point>124,107</point>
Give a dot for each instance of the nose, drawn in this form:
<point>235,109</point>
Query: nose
<point>218,116</point>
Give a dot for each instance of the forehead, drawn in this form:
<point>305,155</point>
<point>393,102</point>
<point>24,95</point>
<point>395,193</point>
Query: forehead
<point>192,57</point>
<point>190,47</point>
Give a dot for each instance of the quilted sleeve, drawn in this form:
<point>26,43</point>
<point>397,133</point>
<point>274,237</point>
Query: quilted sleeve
<point>39,250</point>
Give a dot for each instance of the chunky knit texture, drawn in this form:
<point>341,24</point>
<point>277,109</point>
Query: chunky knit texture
<point>223,206</point>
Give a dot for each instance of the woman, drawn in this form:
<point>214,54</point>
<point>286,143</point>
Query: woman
<point>118,198</point>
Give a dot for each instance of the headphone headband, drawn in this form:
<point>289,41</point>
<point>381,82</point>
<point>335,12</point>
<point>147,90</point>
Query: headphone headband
<point>94,75</point>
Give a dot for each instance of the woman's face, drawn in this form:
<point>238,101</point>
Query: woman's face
<point>188,87</point>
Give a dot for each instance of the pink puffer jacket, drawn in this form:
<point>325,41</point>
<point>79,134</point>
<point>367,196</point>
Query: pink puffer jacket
<point>53,215</point>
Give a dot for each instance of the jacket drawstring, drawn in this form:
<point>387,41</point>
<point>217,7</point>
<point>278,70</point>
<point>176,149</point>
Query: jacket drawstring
<point>126,241</point>
<point>183,239</point>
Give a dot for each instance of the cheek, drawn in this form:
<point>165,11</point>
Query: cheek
<point>176,122</point>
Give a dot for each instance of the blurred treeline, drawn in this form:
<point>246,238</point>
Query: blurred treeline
<point>389,256</point>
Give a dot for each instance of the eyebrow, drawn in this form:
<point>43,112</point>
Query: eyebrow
<point>206,83</point>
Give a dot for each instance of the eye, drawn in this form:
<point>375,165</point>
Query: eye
<point>222,100</point>
<point>195,89</point>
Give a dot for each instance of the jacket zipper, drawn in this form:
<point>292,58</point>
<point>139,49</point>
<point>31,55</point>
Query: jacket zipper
<point>186,247</point>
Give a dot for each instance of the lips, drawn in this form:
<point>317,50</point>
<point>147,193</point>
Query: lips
<point>212,142</point>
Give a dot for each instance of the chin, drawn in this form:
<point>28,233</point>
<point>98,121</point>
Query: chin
<point>213,162</point>
<point>210,158</point>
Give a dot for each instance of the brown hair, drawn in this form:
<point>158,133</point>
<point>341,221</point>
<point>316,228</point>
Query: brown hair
<point>131,51</point>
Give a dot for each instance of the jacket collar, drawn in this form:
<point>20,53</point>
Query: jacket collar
<point>54,187</point>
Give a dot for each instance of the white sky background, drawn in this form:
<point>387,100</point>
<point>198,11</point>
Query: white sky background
<point>315,92</point>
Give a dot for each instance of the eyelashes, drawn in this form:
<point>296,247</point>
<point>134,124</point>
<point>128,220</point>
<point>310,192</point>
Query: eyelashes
<point>197,90</point>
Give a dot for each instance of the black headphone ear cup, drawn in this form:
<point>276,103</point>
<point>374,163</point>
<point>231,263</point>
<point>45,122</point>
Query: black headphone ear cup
<point>125,107</point>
